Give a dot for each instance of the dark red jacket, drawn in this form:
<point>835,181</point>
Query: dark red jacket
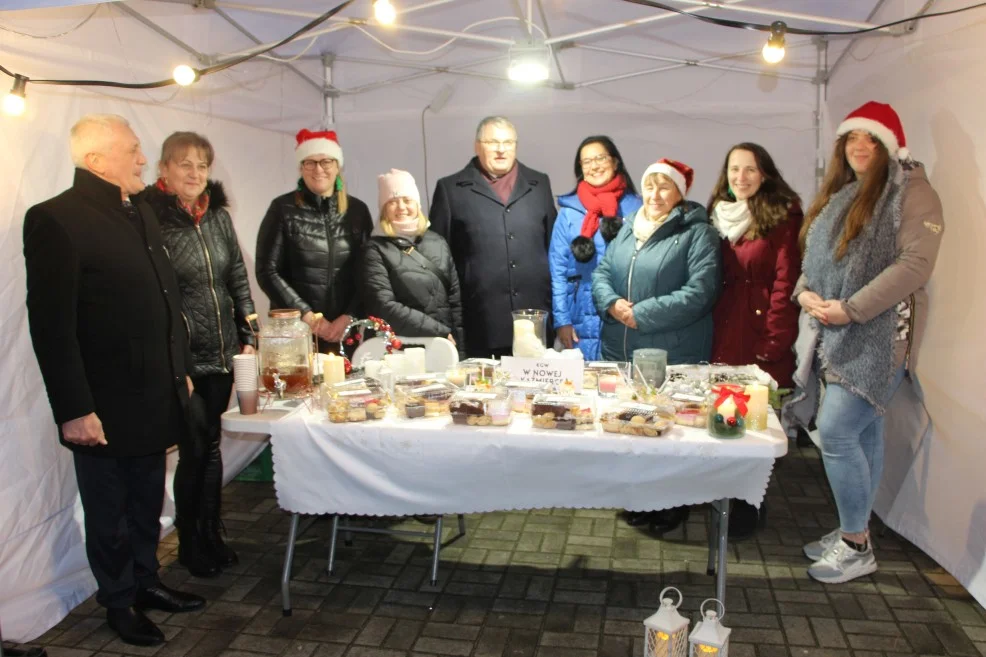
<point>755,316</point>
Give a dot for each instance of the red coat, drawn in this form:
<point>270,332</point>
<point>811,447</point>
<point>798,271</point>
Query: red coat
<point>755,315</point>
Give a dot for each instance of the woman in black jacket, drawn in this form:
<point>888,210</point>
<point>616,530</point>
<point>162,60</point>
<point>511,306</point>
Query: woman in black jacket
<point>198,234</point>
<point>408,274</point>
<point>310,240</point>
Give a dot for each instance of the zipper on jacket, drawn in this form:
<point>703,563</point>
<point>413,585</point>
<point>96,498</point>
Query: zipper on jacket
<point>188,327</point>
<point>626,329</point>
<point>910,334</point>
<point>215,298</point>
<point>330,282</point>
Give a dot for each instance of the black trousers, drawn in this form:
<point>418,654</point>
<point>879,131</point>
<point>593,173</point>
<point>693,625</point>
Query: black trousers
<point>122,499</point>
<point>199,475</point>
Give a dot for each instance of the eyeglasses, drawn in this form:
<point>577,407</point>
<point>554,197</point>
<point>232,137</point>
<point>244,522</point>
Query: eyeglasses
<point>599,159</point>
<point>506,144</point>
<point>327,164</point>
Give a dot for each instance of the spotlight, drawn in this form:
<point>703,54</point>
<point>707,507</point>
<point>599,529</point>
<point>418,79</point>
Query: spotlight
<point>529,63</point>
<point>384,12</point>
<point>14,102</point>
<point>184,75</point>
<point>773,50</point>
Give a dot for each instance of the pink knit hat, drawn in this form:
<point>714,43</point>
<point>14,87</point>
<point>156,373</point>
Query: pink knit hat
<point>395,184</point>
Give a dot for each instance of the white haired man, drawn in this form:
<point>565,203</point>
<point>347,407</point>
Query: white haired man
<point>104,313</point>
<point>497,216</point>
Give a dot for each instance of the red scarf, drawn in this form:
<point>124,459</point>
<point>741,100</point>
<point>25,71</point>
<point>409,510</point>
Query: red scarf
<point>201,205</point>
<point>504,185</point>
<point>600,202</point>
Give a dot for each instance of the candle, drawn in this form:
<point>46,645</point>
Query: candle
<point>371,369</point>
<point>757,407</point>
<point>333,369</point>
<point>397,364</point>
<point>414,361</point>
<point>523,327</point>
<point>608,383</point>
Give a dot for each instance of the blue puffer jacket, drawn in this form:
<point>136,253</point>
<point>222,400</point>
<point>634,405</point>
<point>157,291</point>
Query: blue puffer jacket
<point>673,283</point>
<point>571,280</point>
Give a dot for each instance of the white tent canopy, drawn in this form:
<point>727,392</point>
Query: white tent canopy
<point>660,84</point>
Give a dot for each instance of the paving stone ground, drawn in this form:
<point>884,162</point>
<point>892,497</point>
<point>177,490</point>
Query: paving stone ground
<point>547,583</point>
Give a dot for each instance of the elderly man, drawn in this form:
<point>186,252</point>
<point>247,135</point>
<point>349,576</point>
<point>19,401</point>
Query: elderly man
<point>103,307</point>
<point>497,215</point>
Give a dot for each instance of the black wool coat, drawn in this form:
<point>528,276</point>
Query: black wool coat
<point>215,289</point>
<point>500,250</point>
<point>308,253</point>
<point>416,300</point>
<point>104,312</point>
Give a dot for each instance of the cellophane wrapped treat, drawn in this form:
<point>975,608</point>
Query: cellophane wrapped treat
<point>356,400</point>
<point>480,408</point>
<point>427,400</point>
<point>638,419</point>
<point>564,412</point>
<point>522,393</point>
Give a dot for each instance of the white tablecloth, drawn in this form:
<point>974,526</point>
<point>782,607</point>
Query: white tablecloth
<point>430,466</point>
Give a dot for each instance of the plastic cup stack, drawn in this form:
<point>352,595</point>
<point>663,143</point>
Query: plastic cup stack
<point>245,382</point>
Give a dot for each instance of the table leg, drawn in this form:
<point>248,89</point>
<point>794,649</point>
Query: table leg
<point>288,560</point>
<point>332,542</point>
<point>437,550</point>
<point>462,525</point>
<point>723,549</point>
<point>713,540</point>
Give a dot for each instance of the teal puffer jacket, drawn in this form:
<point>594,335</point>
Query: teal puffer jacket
<point>673,282</point>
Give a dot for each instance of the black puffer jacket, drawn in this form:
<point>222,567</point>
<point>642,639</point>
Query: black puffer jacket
<point>416,300</point>
<point>215,290</point>
<point>308,253</point>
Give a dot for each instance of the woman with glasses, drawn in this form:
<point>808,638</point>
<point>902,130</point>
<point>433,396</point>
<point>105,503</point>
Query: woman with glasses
<point>201,242</point>
<point>310,242</point>
<point>590,216</point>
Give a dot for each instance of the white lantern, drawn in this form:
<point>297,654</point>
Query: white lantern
<point>666,631</point>
<point>710,638</point>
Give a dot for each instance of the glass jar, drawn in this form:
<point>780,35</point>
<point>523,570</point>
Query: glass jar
<point>530,329</point>
<point>727,406</point>
<point>650,367</point>
<point>285,354</point>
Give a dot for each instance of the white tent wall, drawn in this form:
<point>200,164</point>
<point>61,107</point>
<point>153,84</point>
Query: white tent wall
<point>934,81</point>
<point>43,567</point>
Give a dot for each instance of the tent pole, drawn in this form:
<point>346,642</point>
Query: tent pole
<point>328,94</point>
<point>821,80</point>
<point>160,31</point>
<point>777,14</point>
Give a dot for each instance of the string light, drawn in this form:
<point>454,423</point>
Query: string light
<point>15,102</point>
<point>384,12</point>
<point>773,50</point>
<point>184,75</point>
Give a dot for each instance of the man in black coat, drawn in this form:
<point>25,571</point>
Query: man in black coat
<point>104,313</point>
<point>497,216</point>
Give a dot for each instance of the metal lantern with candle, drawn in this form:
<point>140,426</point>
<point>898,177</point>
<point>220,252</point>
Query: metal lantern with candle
<point>285,354</point>
<point>710,638</point>
<point>666,631</point>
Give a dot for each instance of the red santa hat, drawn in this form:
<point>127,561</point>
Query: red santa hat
<point>317,143</point>
<point>680,174</point>
<point>881,121</point>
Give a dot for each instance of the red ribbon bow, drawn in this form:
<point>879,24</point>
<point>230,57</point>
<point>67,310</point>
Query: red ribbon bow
<point>726,390</point>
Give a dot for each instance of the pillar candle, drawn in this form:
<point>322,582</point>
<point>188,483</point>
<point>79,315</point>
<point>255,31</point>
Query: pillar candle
<point>414,360</point>
<point>397,364</point>
<point>333,369</point>
<point>757,407</point>
<point>371,369</point>
<point>523,327</point>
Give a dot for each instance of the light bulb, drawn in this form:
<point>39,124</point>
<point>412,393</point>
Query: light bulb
<point>384,12</point>
<point>15,102</point>
<point>528,71</point>
<point>184,75</point>
<point>773,50</point>
<point>772,54</point>
<point>13,105</point>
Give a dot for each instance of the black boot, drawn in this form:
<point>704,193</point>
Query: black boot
<point>224,555</point>
<point>194,552</point>
<point>745,519</point>
<point>212,525</point>
<point>669,519</point>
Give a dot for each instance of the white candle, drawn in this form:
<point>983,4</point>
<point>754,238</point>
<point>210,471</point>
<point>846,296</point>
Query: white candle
<point>757,407</point>
<point>414,361</point>
<point>523,327</point>
<point>397,364</point>
<point>371,369</point>
<point>333,369</point>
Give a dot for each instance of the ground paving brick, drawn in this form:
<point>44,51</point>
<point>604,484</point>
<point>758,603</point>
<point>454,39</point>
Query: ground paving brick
<point>546,583</point>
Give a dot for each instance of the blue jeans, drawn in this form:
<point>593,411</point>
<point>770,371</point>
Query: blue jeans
<point>852,451</point>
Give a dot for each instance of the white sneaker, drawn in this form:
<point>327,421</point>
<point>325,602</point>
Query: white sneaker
<point>816,549</point>
<point>841,563</point>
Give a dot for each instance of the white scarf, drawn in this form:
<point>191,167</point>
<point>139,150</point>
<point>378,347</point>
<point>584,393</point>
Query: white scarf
<point>405,228</point>
<point>732,220</point>
<point>643,227</point>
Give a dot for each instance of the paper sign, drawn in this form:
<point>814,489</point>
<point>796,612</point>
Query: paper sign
<point>555,371</point>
